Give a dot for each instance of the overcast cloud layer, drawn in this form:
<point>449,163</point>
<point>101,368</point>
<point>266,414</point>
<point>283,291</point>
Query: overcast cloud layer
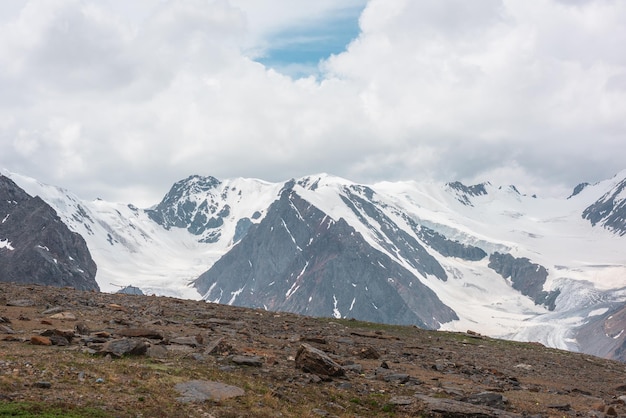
<point>120,99</point>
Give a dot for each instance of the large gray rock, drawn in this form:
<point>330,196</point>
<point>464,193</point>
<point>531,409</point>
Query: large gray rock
<point>203,390</point>
<point>312,360</point>
<point>124,346</point>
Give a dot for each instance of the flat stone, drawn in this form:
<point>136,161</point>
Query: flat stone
<point>40,340</point>
<point>487,398</point>
<point>401,400</point>
<point>141,332</point>
<point>252,361</point>
<point>397,377</point>
<point>203,390</point>
<point>23,303</point>
<point>190,341</point>
<point>64,316</point>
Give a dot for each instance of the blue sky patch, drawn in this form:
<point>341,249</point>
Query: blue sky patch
<point>298,50</point>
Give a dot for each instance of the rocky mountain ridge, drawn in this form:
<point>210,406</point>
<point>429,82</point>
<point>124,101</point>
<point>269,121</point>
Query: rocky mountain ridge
<point>440,256</point>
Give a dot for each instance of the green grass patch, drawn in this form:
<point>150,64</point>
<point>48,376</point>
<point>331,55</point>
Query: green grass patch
<point>44,410</point>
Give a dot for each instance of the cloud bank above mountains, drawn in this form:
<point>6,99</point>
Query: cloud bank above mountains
<point>119,100</point>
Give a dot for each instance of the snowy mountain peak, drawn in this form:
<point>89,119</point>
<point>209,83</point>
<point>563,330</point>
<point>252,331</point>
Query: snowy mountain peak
<point>314,181</point>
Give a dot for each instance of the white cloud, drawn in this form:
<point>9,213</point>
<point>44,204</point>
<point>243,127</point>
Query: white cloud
<point>120,99</point>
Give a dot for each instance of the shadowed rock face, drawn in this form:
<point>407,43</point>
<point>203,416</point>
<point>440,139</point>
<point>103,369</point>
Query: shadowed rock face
<point>609,210</point>
<point>37,247</point>
<point>527,277</point>
<point>298,259</point>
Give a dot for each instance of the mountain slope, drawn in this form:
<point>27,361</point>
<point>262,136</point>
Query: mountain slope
<point>36,247</point>
<point>299,260</point>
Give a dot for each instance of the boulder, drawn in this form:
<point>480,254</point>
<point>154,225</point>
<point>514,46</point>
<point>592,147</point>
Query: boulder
<point>312,360</point>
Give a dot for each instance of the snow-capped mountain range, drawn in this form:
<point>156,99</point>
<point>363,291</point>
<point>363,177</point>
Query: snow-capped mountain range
<point>448,256</point>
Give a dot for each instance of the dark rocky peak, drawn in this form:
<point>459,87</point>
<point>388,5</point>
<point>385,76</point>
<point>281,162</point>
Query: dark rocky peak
<point>183,189</point>
<point>195,203</point>
<point>463,192</point>
<point>298,259</point>
<point>37,246</point>
<point>610,210</point>
<point>579,188</point>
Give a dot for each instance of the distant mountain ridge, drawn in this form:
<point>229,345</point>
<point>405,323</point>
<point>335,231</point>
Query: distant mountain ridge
<point>445,256</point>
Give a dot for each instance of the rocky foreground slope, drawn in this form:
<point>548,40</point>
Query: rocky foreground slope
<point>95,354</point>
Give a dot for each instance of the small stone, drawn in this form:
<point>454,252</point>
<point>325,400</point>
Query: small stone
<point>64,316</point>
<point>493,399</point>
<point>397,377</point>
<point>117,307</point>
<point>6,330</point>
<point>156,351</point>
<point>369,353</point>
<point>81,329</point>
<point>52,311</point>
<point>59,340</point>
<point>560,407</point>
<point>356,368</point>
<point>43,385</point>
<point>40,340</point>
<point>99,380</point>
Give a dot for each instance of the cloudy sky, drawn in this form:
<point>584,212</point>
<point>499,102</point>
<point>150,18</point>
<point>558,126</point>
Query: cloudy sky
<point>118,99</point>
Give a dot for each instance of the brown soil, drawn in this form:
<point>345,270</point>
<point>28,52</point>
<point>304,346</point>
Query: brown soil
<point>388,370</point>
